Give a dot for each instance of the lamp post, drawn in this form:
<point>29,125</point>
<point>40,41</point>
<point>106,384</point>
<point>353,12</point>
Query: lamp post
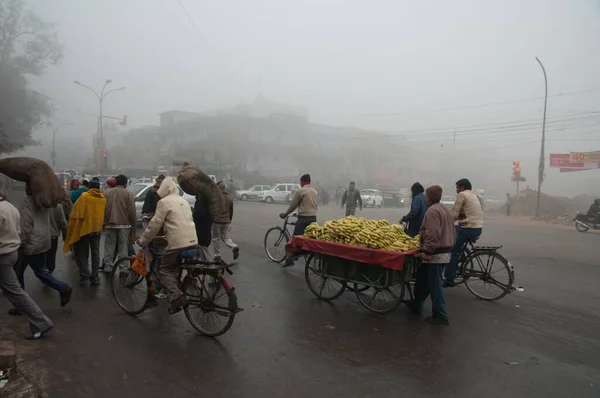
<point>541,165</point>
<point>100,97</point>
<point>53,154</point>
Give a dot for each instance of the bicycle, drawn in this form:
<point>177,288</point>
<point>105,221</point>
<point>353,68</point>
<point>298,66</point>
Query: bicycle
<point>208,295</point>
<point>281,236</point>
<point>474,270</point>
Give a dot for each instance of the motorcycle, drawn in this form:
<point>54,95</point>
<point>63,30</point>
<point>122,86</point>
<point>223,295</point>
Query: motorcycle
<point>583,222</point>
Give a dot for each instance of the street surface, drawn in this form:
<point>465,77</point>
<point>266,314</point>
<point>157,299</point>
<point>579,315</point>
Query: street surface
<point>541,342</point>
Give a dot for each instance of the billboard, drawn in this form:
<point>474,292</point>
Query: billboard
<point>575,161</point>
<point>585,157</point>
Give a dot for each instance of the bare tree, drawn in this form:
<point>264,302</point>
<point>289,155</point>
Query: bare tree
<point>28,45</point>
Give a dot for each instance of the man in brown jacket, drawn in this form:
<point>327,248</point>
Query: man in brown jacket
<point>222,225</point>
<point>305,200</point>
<point>119,222</point>
<point>437,238</point>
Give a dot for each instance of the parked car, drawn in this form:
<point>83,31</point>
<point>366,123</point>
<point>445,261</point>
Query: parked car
<point>143,180</point>
<point>252,193</point>
<point>371,197</point>
<point>139,191</point>
<point>278,193</point>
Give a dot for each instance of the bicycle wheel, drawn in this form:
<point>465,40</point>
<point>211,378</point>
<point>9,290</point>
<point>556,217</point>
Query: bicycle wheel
<point>488,275</point>
<point>129,288</point>
<point>212,304</point>
<point>275,242</point>
<point>382,299</point>
<point>322,286</point>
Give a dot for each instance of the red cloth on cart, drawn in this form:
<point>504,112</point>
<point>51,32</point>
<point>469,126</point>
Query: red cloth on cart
<point>383,258</point>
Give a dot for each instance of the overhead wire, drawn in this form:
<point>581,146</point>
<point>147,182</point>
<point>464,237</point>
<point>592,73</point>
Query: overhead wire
<point>202,38</point>
<point>478,105</point>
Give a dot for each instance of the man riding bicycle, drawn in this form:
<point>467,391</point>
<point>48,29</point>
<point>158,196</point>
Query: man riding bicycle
<point>173,213</point>
<point>469,213</point>
<point>305,200</point>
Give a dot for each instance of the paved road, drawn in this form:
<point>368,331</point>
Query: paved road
<point>542,342</point>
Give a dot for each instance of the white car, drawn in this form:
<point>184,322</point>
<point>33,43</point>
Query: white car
<point>279,193</point>
<point>371,197</point>
<point>252,193</point>
<point>140,191</point>
<point>143,180</point>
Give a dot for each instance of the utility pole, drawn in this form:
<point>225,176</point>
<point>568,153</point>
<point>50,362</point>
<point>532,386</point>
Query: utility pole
<point>53,154</point>
<point>541,165</point>
<point>99,142</point>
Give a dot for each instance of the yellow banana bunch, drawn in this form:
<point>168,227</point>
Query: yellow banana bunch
<point>375,234</point>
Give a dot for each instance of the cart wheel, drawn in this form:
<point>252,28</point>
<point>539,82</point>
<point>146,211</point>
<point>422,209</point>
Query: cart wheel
<point>322,286</point>
<point>382,299</point>
<point>356,287</point>
<point>488,275</point>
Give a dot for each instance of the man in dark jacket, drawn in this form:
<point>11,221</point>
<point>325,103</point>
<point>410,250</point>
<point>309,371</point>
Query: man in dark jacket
<point>351,198</point>
<point>594,211</point>
<point>437,237</point>
<point>151,200</point>
<point>222,225</point>
<point>203,221</point>
<point>418,207</point>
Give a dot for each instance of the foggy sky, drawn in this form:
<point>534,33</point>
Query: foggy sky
<point>352,63</point>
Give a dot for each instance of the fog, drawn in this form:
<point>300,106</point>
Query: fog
<point>454,85</point>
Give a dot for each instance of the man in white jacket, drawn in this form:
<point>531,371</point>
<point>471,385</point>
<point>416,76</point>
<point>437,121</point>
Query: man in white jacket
<point>173,213</point>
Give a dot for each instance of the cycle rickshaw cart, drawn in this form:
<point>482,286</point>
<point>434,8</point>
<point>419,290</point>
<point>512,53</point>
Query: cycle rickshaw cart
<point>380,278</point>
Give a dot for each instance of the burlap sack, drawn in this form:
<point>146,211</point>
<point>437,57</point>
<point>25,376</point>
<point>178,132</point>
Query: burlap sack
<point>45,188</point>
<point>194,182</point>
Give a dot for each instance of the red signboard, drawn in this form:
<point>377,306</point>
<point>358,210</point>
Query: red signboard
<point>564,160</point>
<point>567,170</point>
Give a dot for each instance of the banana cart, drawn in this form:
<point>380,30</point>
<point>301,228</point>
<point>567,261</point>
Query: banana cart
<point>379,278</point>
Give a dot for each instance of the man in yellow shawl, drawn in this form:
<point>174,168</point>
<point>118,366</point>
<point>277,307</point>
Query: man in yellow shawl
<point>84,232</point>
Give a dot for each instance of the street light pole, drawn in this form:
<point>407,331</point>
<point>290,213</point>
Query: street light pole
<point>53,154</point>
<point>99,134</point>
<point>542,160</point>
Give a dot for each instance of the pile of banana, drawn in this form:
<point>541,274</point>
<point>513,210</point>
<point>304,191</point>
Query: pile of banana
<point>374,234</point>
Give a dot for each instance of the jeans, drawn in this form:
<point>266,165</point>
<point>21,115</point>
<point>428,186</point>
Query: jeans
<point>463,235</point>
<point>51,255</point>
<point>81,251</point>
<point>429,282</point>
<point>37,262</point>
<point>116,242</point>
<point>19,297</point>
